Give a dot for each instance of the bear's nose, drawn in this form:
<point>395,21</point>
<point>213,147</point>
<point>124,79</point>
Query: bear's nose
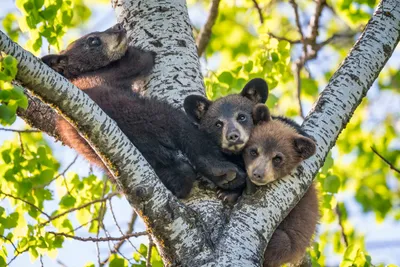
<point>258,174</point>
<point>233,136</point>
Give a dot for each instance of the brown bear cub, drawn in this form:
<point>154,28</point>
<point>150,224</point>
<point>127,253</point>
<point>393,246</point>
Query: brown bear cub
<point>102,64</point>
<point>228,121</point>
<point>276,147</point>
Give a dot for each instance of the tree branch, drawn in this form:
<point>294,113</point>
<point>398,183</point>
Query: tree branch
<point>176,75</point>
<point>385,160</point>
<point>100,239</point>
<point>254,219</point>
<point>260,14</point>
<point>205,33</point>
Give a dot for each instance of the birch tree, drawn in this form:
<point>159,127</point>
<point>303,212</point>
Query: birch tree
<point>200,230</point>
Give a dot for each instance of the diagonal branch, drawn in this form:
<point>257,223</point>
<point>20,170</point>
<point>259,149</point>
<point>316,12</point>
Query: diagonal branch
<point>329,116</point>
<point>205,33</point>
<point>134,175</point>
<point>259,10</point>
<point>385,160</point>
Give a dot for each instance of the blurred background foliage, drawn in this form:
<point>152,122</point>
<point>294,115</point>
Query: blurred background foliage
<point>359,192</point>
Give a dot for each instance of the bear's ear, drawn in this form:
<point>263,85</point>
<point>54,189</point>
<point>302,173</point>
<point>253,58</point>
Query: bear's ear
<point>261,114</point>
<point>58,63</point>
<point>256,90</point>
<point>196,106</point>
<point>304,146</point>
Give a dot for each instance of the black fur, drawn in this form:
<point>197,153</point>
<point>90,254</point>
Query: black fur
<point>160,132</point>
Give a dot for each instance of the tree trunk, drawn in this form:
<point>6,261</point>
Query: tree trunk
<point>200,231</point>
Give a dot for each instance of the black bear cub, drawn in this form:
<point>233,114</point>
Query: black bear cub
<point>102,64</point>
<point>276,147</point>
<point>228,121</point>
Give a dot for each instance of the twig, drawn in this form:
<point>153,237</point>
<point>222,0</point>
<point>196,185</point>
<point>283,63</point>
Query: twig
<point>385,160</point>
<point>314,21</point>
<point>28,203</point>
<point>61,263</point>
<point>280,38</point>
<point>340,219</point>
<point>259,11</point>
<point>61,174</point>
<point>41,261</point>
<point>297,19</point>
<point>150,248</point>
<point>335,37</point>
<point>15,248</point>
<point>80,207</point>
<point>21,143</point>
<point>100,219</point>
<point>205,33</point>
<point>120,243</point>
<point>298,66</point>
<point>19,131</point>
<point>100,239</point>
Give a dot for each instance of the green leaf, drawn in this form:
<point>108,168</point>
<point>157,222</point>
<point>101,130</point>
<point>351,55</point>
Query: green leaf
<point>331,184</point>
<point>117,262</point>
<point>225,77</point>
<point>67,201</point>
<point>38,3</point>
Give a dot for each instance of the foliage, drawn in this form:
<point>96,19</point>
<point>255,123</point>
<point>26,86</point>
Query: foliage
<point>243,47</point>
<point>11,96</point>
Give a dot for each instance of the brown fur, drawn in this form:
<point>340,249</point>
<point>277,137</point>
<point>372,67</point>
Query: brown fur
<point>280,138</point>
<point>102,65</point>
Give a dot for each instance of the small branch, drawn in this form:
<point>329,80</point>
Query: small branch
<point>280,38</point>
<point>20,131</point>
<point>80,207</point>
<point>61,263</point>
<point>297,19</point>
<point>334,38</point>
<point>26,202</point>
<point>61,174</point>
<point>15,248</point>
<point>150,248</point>
<point>385,160</point>
<point>120,243</point>
<point>314,21</point>
<point>340,219</point>
<point>259,11</point>
<point>100,239</point>
<point>298,67</point>
<point>205,33</point>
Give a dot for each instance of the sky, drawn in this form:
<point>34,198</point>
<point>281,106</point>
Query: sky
<point>382,240</point>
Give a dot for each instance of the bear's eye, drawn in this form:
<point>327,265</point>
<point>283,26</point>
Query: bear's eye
<point>277,160</point>
<point>241,117</point>
<point>253,152</point>
<point>94,41</point>
<point>219,124</point>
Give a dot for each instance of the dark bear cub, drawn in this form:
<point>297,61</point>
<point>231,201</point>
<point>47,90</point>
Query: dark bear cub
<point>102,64</point>
<point>228,121</point>
<point>276,147</point>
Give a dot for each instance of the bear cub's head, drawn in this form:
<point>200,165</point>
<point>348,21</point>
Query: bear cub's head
<point>274,148</point>
<point>228,120</point>
<point>90,52</point>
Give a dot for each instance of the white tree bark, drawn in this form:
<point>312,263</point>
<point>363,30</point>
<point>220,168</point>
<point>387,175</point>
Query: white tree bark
<point>202,232</point>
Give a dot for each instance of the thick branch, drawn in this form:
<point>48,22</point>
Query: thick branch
<point>255,218</point>
<point>143,189</point>
<point>205,34</point>
<point>164,27</point>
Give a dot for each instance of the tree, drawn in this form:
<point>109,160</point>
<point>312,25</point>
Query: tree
<point>198,231</point>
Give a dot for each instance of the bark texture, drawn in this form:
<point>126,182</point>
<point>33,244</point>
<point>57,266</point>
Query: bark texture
<point>200,231</point>
<point>164,27</point>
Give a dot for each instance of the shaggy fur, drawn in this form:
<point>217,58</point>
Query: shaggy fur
<point>102,65</point>
<point>275,148</point>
